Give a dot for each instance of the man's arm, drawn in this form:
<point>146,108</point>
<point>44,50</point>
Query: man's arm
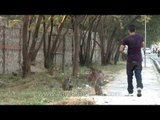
<point>121,48</point>
<point>142,45</point>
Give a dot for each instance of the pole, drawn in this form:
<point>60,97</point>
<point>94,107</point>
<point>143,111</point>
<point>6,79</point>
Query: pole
<point>145,43</point>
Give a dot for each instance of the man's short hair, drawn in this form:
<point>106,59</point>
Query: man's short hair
<point>132,28</point>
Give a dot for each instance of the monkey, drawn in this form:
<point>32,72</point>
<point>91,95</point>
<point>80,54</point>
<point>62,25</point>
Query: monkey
<point>67,84</point>
<point>98,88</point>
<point>14,74</point>
<point>97,78</point>
<point>95,73</point>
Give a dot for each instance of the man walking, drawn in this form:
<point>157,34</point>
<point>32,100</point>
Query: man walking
<point>134,42</point>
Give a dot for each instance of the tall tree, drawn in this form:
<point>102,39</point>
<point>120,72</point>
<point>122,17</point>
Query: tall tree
<point>29,46</point>
<point>87,42</point>
<point>76,45</point>
<point>52,43</point>
<point>111,30</point>
<point>26,63</point>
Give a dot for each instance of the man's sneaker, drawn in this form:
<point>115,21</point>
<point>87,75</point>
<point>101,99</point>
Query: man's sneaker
<point>139,94</point>
<point>130,94</point>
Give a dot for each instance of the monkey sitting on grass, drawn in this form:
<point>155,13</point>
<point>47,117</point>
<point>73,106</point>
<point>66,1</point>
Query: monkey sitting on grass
<point>97,87</point>
<point>67,84</point>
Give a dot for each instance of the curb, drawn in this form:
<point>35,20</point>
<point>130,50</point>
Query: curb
<point>156,64</point>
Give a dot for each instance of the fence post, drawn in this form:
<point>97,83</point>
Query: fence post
<point>3,50</point>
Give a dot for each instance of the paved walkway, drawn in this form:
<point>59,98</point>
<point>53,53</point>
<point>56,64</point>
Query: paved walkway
<point>117,89</point>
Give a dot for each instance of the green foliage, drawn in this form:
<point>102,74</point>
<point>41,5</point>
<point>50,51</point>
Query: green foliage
<point>13,23</point>
<point>153,30</point>
<point>13,17</point>
<point>67,23</point>
<point>144,18</point>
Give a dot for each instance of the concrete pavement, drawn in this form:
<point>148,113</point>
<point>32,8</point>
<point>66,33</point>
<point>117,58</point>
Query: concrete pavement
<point>117,93</point>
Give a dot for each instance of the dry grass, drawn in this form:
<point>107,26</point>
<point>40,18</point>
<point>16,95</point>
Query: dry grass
<point>75,101</point>
<point>42,88</point>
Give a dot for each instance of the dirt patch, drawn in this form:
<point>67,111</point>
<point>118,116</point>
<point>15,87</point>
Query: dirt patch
<point>28,84</point>
<point>76,101</point>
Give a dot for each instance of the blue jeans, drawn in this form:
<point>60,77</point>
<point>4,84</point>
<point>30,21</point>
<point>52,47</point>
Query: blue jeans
<point>134,67</point>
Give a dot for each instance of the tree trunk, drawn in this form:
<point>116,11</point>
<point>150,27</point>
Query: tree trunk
<point>86,45</point>
<point>26,60</point>
<point>3,51</point>
<point>102,43</point>
<point>88,49</point>
<point>64,49</point>
<point>94,45</point>
<point>29,47</point>
<point>33,50</point>
<point>53,44</point>
<point>47,46</point>
<point>76,47</point>
<point>116,57</point>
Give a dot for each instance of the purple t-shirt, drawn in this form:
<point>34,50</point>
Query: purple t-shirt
<point>134,43</point>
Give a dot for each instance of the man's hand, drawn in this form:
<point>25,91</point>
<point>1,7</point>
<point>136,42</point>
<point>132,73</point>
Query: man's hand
<point>121,48</point>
